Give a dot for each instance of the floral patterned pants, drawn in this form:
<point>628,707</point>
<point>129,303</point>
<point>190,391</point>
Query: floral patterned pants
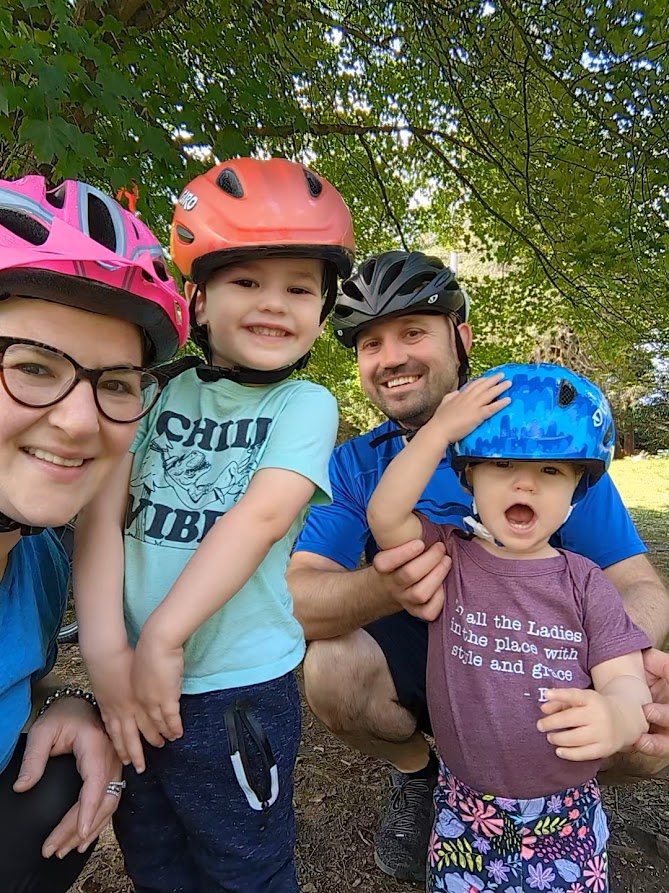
<point>486,844</point>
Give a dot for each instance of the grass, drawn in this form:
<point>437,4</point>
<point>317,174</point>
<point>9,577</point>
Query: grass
<point>644,487</point>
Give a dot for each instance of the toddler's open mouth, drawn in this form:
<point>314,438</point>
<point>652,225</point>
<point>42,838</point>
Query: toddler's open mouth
<point>520,516</point>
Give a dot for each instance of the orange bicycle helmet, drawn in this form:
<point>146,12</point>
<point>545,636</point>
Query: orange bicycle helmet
<point>247,208</point>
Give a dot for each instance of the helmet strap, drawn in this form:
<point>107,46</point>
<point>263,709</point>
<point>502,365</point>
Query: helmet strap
<point>238,374</point>
<point>474,523</point>
<point>463,357</point>
<point>242,375</point>
<point>396,432</point>
<point>9,525</point>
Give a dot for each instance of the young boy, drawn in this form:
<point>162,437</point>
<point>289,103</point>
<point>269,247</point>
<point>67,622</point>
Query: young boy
<point>222,472</point>
<point>526,629</point>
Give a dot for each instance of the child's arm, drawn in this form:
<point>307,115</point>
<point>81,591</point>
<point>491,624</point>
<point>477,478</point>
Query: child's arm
<point>223,562</point>
<point>390,511</point>
<point>593,724</point>
<point>98,593</point>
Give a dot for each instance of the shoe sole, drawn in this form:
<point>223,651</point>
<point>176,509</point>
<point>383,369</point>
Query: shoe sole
<point>398,873</point>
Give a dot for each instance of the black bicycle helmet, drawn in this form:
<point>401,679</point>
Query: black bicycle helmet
<point>393,284</point>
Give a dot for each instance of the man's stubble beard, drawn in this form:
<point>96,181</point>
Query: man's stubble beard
<point>419,411</point>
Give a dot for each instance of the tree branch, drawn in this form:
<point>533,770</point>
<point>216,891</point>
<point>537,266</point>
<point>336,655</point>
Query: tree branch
<point>382,190</point>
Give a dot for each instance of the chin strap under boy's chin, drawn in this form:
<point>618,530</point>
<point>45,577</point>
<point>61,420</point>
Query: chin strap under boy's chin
<point>9,525</point>
<point>242,375</point>
<point>207,372</point>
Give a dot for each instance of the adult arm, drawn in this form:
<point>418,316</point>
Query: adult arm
<point>330,600</point>
<point>71,726</point>
<point>644,595</point>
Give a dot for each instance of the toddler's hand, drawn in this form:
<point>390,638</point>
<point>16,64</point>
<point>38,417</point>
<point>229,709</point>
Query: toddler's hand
<point>586,725</point>
<point>121,713</point>
<point>461,411</point>
<point>157,672</point>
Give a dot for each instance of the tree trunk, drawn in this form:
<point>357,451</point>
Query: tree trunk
<point>628,442</point>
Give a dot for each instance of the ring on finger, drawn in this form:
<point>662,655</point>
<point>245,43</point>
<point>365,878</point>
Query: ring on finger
<point>115,788</point>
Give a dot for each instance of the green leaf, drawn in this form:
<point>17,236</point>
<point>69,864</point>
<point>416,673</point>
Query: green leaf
<point>45,137</point>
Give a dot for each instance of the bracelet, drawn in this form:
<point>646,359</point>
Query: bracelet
<point>67,692</point>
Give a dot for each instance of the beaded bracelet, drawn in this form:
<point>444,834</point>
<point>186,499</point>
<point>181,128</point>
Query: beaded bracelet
<point>67,692</point>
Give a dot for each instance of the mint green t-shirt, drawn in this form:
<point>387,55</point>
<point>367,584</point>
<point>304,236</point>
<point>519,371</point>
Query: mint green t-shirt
<point>194,456</point>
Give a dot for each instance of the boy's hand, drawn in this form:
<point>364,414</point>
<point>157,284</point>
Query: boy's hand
<point>122,714</point>
<point>461,411</point>
<point>157,672</point>
<point>584,724</point>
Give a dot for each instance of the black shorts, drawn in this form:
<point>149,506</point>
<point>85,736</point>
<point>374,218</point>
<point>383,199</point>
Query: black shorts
<point>403,640</point>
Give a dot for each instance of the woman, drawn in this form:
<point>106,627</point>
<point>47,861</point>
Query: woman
<point>86,303</point>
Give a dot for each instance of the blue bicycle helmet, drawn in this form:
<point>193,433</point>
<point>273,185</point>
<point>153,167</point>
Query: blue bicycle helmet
<point>554,414</point>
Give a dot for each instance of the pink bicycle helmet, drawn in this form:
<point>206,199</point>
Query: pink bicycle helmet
<point>75,245</point>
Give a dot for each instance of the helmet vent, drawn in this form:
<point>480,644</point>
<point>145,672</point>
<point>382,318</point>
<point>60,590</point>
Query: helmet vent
<point>184,235</point>
<point>315,185</point>
<point>161,272</point>
<point>566,394</point>
<point>608,437</point>
<point>23,226</point>
<point>229,182</point>
<point>56,196</point>
<point>100,223</point>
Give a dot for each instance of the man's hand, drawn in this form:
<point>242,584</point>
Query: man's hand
<point>413,577</point>
<point>655,742</point>
<point>584,724</point>
<point>157,671</point>
<point>122,713</point>
<point>71,726</point>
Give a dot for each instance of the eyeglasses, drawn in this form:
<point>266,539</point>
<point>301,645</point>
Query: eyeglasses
<point>37,375</point>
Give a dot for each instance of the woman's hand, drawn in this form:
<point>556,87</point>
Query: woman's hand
<point>72,726</point>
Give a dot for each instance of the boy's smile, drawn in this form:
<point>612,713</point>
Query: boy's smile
<point>522,504</point>
<point>262,314</point>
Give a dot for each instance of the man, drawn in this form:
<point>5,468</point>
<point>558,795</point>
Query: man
<point>406,317</point>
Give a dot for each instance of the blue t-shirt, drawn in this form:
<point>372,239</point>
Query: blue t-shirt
<point>195,454</point>
<point>599,528</point>
<point>33,596</point>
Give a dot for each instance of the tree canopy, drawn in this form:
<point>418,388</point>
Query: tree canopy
<point>532,133</point>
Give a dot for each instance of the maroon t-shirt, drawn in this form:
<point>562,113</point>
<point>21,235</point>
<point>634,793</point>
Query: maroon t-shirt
<point>509,630</point>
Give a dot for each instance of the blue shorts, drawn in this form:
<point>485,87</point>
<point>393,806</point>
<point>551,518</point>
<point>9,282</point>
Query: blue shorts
<point>186,825</point>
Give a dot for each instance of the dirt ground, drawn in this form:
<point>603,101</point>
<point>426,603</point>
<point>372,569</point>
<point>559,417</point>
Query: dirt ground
<point>339,795</point>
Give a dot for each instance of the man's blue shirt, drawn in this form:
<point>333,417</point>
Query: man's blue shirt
<point>599,527</point>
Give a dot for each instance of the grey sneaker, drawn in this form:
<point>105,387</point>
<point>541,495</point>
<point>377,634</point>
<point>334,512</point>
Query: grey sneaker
<point>400,844</point>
